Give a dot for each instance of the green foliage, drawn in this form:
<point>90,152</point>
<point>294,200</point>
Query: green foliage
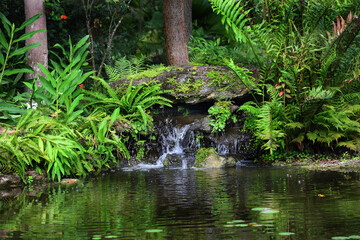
<point>42,142</point>
<point>134,105</point>
<point>153,71</point>
<point>218,79</point>
<point>203,51</point>
<point>11,55</point>
<point>59,136</point>
<point>202,154</point>
<point>233,15</point>
<point>123,68</point>
<point>61,89</point>
<point>309,78</point>
<point>219,115</point>
<point>12,62</point>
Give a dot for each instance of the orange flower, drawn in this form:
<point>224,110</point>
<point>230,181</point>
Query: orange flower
<point>81,86</point>
<point>281,93</point>
<point>64,17</point>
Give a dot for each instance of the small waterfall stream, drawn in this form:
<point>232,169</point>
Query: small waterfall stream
<point>179,137</point>
<point>175,140</point>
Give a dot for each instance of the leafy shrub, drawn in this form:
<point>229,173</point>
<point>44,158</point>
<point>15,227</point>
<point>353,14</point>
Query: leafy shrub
<point>12,62</point>
<point>308,79</point>
<point>219,115</point>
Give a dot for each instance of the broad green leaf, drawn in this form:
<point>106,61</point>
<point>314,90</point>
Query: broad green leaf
<point>68,79</point>
<point>27,35</point>
<point>46,84</point>
<point>153,230</point>
<point>241,225</point>
<point>6,23</point>
<point>39,129</point>
<point>3,41</point>
<point>28,22</point>
<point>23,120</point>
<point>48,75</point>
<point>286,233</point>
<point>114,115</point>
<point>74,115</point>
<point>75,103</point>
<point>258,209</point>
<point>23,50</point>
<point>49,150</point>
<point>81,42</point>
<point>2,60</point>
<point>16,71</point>
<point>41,144</point>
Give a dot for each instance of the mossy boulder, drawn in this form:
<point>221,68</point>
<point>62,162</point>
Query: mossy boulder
<point>208,158</point>
<point>193,84</point>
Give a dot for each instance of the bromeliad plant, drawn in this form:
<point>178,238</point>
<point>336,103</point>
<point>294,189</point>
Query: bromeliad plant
<point>308,72</point>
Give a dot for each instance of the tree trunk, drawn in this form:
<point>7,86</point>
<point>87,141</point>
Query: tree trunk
<point>174,31</point>
<point>38,54</point>
<point>188,18</point>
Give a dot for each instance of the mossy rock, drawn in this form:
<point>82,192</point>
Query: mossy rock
<point>208,158</point>
<point>193,84</point>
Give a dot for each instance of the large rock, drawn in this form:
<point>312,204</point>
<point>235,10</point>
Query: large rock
<point>208,158</point>
<point>194,84</point>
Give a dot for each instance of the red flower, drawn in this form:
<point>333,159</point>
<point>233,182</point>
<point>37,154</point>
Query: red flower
<point>281,93</point>
<point>81,86</point>
<point>64,17</point>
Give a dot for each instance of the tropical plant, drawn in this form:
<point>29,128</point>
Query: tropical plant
<point>12,62</point>
<point>43,142</point>
<point>203,51</point>
<point>309,68</point>
<point>62,86</point>
<point>219,115</point>
<point>134,105</point>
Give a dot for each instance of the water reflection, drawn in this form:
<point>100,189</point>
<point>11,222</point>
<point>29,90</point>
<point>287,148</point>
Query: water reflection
<point>242,203</point>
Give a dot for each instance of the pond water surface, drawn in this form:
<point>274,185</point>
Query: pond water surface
<point>238,203</point>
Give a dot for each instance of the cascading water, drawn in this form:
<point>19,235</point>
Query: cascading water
<point>175,140</point>
<point>179,137</point>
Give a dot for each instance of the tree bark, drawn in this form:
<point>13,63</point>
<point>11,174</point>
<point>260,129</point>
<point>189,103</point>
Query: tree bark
<point>188,18</point>
<point>38,54</point>
<point>174,31</point>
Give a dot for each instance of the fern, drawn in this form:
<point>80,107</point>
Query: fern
<point>123,68</point>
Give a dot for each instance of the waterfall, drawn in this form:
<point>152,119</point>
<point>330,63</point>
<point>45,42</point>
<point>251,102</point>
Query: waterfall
<point>175,139</point>
<point>179,137</point>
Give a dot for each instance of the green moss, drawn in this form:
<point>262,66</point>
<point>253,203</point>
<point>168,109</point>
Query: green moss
<point>202,154</point>
<point>166,162</point>
<point>150,73</point>
<point>186,87</point>
<point>217,79</point>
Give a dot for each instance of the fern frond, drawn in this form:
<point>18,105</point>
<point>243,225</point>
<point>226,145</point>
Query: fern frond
<point>233,16</point>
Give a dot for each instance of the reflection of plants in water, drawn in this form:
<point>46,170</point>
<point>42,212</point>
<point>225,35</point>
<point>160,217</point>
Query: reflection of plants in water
<point>139,201</point>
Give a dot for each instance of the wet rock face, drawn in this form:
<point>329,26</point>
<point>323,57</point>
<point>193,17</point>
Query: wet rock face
<point>180,136</point>
<point>196,84</point>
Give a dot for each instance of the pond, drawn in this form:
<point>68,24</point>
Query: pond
<point>235,203</point>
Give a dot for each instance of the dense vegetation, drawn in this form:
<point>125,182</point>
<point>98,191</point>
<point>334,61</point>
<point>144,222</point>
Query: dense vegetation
<point>308,92</point>
<point>307,97</point>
